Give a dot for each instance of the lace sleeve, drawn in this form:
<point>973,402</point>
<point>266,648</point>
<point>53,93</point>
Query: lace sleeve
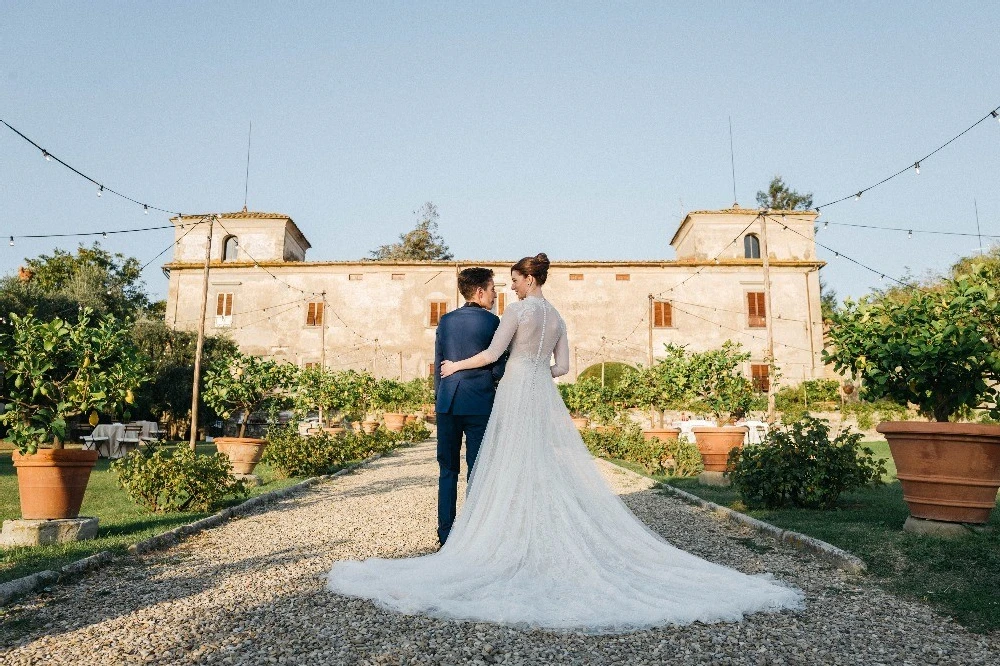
<point>561,366</point>
<point>504,334</point>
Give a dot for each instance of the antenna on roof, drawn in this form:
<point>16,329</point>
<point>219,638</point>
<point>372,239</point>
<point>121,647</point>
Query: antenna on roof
<point>732,161</point>
<point>978,231</point>
<point>246,183</point>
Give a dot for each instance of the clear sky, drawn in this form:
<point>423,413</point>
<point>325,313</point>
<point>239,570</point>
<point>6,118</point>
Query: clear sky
<point>584,130</point>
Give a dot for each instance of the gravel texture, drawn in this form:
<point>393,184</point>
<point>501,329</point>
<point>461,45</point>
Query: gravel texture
<point>251,591</point>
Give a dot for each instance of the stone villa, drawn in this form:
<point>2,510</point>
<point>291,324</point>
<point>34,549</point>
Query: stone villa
<point>381,316</point>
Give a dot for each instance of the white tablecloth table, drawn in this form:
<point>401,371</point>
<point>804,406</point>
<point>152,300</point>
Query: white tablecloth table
<point>113,447</point>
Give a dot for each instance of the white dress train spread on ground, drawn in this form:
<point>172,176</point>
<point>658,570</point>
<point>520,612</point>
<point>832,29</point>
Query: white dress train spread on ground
<point>542,541</point>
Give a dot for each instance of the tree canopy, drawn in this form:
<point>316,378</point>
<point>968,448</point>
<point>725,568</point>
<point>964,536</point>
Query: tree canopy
<point>781,197</point>
<point>420,244</point>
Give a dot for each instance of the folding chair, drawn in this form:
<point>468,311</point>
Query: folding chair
<point>130,439</point>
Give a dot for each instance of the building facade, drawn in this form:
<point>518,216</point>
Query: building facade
<point>381,316</point>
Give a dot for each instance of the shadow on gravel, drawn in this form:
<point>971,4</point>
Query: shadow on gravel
<point>104,596</point>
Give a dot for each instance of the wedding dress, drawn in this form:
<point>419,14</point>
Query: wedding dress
<point>542,541</point>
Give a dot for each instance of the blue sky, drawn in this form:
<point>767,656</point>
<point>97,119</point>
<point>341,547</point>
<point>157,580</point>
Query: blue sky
<point>580,129</point>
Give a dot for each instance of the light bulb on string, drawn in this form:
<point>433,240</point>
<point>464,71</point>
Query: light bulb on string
<point>45,154</point>
<point>12,241</point>
<point>909,234</point>
<point>145,209</point>
<point>104,234</point>
<point>826,224</point>
<point>857,196</point>
<point>100,190</point>
<point>916,167</point>
<point>995,115</point>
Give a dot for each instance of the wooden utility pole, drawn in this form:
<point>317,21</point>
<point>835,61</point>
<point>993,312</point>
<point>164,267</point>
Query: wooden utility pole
<point>649,360</point>
<point>401,366</point>
<point>576,363</point>
<point>322,357</point>
<point>201,334</point>
<point>768,316</point>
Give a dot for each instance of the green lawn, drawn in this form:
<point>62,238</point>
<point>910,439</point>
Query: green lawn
<point>122,523</point>
<point>960,578</point>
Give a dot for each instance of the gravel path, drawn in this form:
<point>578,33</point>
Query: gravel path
<point>251,592</point>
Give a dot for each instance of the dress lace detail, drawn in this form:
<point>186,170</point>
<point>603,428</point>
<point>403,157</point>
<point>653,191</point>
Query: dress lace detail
<point>542,541</point>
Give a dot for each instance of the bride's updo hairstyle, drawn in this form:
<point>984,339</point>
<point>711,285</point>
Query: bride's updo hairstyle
<point>536,266</point>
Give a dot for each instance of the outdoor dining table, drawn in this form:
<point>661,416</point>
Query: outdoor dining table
<point>106,436</point>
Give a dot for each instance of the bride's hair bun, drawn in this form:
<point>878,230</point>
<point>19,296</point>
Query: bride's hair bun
<point>536,266</point>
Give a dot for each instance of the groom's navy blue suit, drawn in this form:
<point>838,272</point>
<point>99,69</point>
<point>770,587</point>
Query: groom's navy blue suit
<point>464,400</point>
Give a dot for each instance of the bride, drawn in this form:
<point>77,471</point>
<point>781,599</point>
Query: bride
<point>542,541</point>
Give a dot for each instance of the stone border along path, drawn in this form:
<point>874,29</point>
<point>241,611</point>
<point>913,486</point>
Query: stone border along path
<point>251,591</point>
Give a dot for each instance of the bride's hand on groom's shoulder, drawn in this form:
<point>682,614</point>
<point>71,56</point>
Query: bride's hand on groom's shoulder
<point>448,368</point>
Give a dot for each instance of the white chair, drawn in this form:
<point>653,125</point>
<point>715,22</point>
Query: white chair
<point>130,439</point>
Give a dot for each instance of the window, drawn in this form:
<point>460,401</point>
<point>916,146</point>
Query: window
<point>751,246</point>
<point>224,311</point>
<point>398,276</point>
<point>314,314</point>
<point>663,314</point>
<point>430,369</point>
<point>438,308</point>
<point>756,315</point>
<point>310,366</point>
<point>230,248</point>
<point>576,276</point>
<point>501,303</point>
<point>623,277</point>
<point>760,376</point>
<point>355,276</point>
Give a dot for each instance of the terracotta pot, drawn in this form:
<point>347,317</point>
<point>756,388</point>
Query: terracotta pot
<point>848,389</point>
<point>335,430</point>
<point>243,452</point>
<point>663,434</point>
<point>368,427</point>
<point>949,471</point>
<point>581,422</point>
<point>394,421</point>
<point>411,418</point>
<point>715,443</point>
<point>52,482</point>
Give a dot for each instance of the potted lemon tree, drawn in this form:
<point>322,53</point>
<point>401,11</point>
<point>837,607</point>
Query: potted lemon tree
<point>938,348</point>
<point>241,384</point>
<point>719,387</point>
<point>55,370</point>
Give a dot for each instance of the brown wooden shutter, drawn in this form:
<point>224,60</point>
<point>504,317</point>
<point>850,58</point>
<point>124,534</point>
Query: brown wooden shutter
<point>663,314</point>
<point>756,315</point>
<point>320,313</point>
<point>220,306</point>
<point>310,317</point>
<point>438,309</point>
<point>760,375</point>
<point>501,303</point>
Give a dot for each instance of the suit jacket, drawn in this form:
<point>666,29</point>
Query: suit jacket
<point>463,333</point>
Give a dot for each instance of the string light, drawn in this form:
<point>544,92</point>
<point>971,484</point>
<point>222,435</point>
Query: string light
<point>909,234</point>
<point>992,114</point>
<point>100,190</point>
<point>12,241</point>
<point>916,167</point>
<point>145,209</point>
<point>45,154</point>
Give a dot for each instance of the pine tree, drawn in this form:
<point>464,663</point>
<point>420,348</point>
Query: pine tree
<point>420,244</point>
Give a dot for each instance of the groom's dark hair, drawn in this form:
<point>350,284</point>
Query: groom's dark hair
<point>471,279</point>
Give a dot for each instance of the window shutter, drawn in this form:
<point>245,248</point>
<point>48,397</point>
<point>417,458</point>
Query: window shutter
<point>320,313</point>
<point>760,376</point>
<point>663,314</point>
<point>438,309</point>
<point>220,306</point>
<point>756,315</point>
<point>501,303</point>
<point>311,316</point>
<point>229,305</point>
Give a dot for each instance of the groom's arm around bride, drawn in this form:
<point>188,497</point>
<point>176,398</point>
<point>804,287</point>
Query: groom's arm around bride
<point>463,400</point>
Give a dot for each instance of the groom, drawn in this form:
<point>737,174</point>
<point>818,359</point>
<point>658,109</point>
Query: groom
<point>465,399</point>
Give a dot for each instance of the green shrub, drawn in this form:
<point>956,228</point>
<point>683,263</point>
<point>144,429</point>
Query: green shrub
<point>799,465</point>
<point>295,455</point>
<point>626,442</point>
<point>184,481</point>
<point>613,373</point>
<point>868,413</point>
<point>794,402</point>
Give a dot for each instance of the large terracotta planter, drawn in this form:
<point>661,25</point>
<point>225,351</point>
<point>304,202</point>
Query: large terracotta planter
<point>368,427</point>
<point>662,434</point>
<point>581,422</point>
<point>243,452</point>
<point>394,421</point>
<point>715,443</point>
<point>949,471</point>
<point>51,482</point>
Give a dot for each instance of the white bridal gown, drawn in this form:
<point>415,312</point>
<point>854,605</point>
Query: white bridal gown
<point>542,541</point>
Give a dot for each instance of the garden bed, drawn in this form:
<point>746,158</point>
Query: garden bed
<point>122,523</point>
<point>960,578</point>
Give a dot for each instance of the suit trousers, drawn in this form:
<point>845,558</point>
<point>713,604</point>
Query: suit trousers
<point>450,428</point>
